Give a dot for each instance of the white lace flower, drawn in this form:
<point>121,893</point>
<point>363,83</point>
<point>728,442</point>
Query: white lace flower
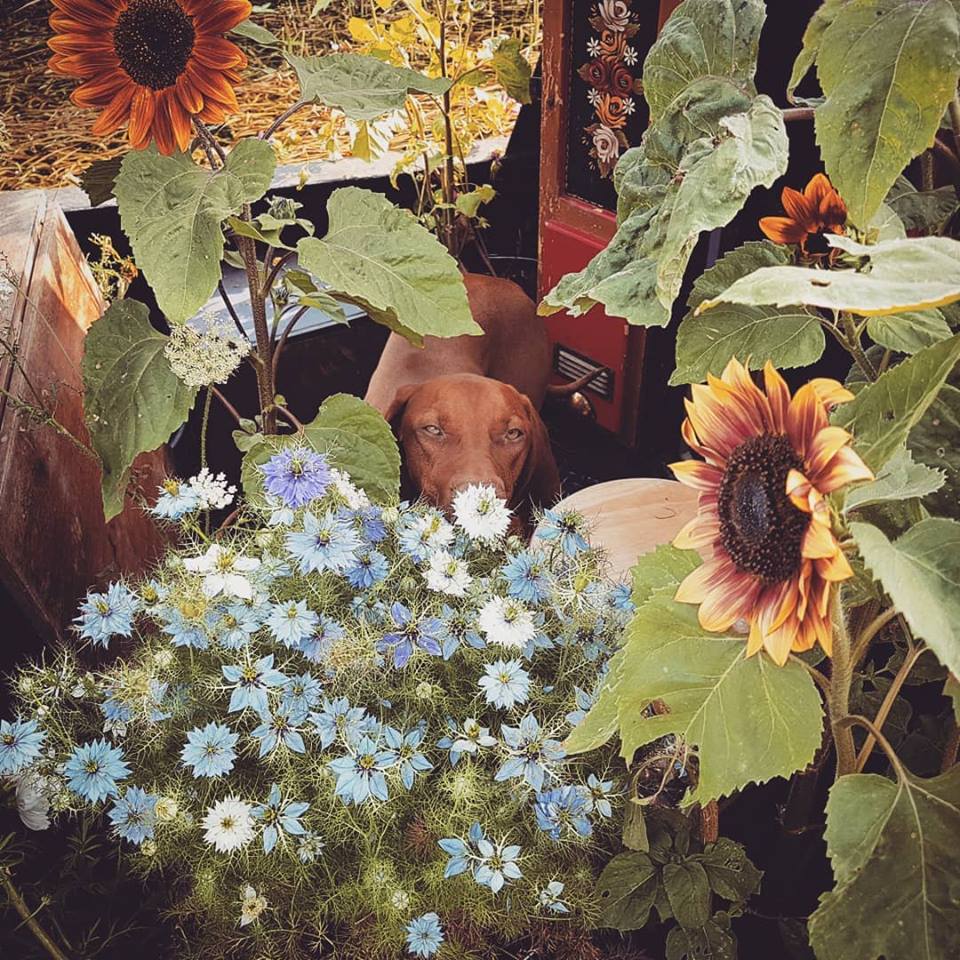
<point>506,622</point>
<point>210,354</point>
<point>212,492</point>
<point>223,571</point>
<point>447,574</point>
<point>228,825</point>
<point>481,512</point>
<point>355,497</point>
<point>252,904</point>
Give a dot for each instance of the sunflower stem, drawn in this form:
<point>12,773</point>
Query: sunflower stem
<point>841,677</point>
<point>854,347</point>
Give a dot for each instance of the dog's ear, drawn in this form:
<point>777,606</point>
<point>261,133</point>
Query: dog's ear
<point>540,480</point>
<point>394,412</point>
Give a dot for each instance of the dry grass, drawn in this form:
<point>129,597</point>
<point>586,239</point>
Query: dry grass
<point>48,141</point>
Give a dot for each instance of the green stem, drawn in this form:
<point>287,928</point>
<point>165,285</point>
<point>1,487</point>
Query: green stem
<point>841,677</point>
<point>20,905</point>
<point>953,108</point>
<point>854,347</point>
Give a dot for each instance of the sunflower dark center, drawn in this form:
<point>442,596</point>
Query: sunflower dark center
<point>153,40</point>
<point>759,526</point>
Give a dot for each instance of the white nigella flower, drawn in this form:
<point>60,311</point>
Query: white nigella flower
<point>228,825</point>
<point>355,497</point>
<point>447,574</point>
<point>481,512</point>
<point>33,791</point>
<point>212,492</point>
<point>252,904</point>
<point>507,622</point>
<point>223,571</point>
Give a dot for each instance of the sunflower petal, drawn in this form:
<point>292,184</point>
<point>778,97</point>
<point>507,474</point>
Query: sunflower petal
<point>781,230</point>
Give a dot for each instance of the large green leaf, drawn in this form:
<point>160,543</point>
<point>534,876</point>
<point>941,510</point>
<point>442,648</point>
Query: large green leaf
<point>908,332</point>
<point>895,857</point>
<point>912,274</point>
<point>354,437</point>
<point>921,573</point>
<point>626,890</point>
<point>900,479</point>
<point>933,441</point>
<point>888,70</point>
<point>688,892</point>
<point>747,719</point>
<point>788,337</point>
<point>922,211</point>
<point>512,69</point>
<point>172,210</point>
<point>729,870</point>
<point>132,400</point>
<point>883,413</point>
<point>98,179</point>
<point>380,258</point>
<point>661,568</point>
<point>363,87</point>
<point>812,35</point>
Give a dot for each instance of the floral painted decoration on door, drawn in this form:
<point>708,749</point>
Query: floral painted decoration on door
<point>612,85</point>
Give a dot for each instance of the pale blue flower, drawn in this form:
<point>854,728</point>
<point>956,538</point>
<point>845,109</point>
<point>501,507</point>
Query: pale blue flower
<point>497,864</point>
<point>372,527</point>
<point>584,701</point>
<point>251,681</point>
<point>183,630</point>
<point>209,750</point>
<point>505,683</point>
<point>456,627</point>
<point>370,567</point>
<point>462,853</point>
<point>621,599</point>
<point>360,774</point>
<point>106,615</point>
<point>176,500</point>
<point>410,759</point>
<point>530,753</point>
<point>526,576</point>
<point>338,718</point>
<point>94,769</point>
<point>599,792</point>
<point>280,727</point>
<point>316,647</point>
<point>309,848</point>
<point>566,527</point>
<point>280,514</point>
<point>279,817</point>
<point>21,742</point>
<point>134,816</point>
<point>421,533</point>
<point>549,898</point>
<point>467,740</point>
<point>297,476</point>
<point>291,622</point>
<point>326,543</point>
<point>563,809</point>
<point>300,694</point>
<point>424,935</point>
<point>409,633</point>
<point>237,624</point>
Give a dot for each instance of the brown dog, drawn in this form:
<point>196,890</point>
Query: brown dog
<point>465,408</point>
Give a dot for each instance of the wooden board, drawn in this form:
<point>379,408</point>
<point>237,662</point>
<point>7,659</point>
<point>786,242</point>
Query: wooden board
<point>54,542</point>
<point>632,517</point>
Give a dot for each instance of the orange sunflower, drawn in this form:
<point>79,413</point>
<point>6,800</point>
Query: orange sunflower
<point>811,214</point>
<point>154,63</point>
<point>763,521</point>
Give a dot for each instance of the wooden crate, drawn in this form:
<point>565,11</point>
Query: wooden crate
<point>54,542</point>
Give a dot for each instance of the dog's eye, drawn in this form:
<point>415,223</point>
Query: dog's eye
<point>432,429</point>
<point>514,433</point>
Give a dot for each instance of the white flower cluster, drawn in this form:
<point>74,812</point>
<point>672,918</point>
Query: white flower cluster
<point>200,357</point>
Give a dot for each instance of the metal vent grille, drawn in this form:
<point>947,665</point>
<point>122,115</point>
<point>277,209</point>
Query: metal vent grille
<point>572,365</point>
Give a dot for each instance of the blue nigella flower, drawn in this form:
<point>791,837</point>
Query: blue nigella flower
<point>563,809</point>
<point>526,576</point>
<point>424,935</point>
<point>301,693</point>
<point>338,718</point>
<point>360,774</point>
<point>326,543</point>
<point>621,598</point>
<point>106,615</point>
<point>297,476</point>
<point>134,816</point>
<point>280,514</point>
<point>600,792</point>
<point>419,534</point>
<point>251,682</point>
<point>410,758</point>
<point>497,865</point>
<point>236,624</point>
<point>461,852</point>
<point>280,727</point>
<point>505,683</point>
<point>371,567</point>
<point>20,744</point>
<point>467,740</point>
<point>291,622</point>
<point>539,641</point>
<point>176,500</point>
<point>209,751</point>
<point>456,627</point>
<point>184,630</point>
<point>116,712</point>
<point>316,646</point>
<point>309,848</point>
<point>411,633</point>
<point>372,527</point>
<point>278,818</point>
<point>584,701</point>
<point>530,753</point>
<point>549,898</point>
<point>94,769</point>
<point>566,527</point>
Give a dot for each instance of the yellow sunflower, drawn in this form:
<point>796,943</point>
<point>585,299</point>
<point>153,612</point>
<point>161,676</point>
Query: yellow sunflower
<point>763,522</point>
<point>154,63</point>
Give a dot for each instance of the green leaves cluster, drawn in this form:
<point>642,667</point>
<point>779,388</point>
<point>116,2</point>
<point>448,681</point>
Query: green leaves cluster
<point>711,141</point>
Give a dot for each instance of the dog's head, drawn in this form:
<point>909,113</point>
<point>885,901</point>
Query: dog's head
<point>463,429</point>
